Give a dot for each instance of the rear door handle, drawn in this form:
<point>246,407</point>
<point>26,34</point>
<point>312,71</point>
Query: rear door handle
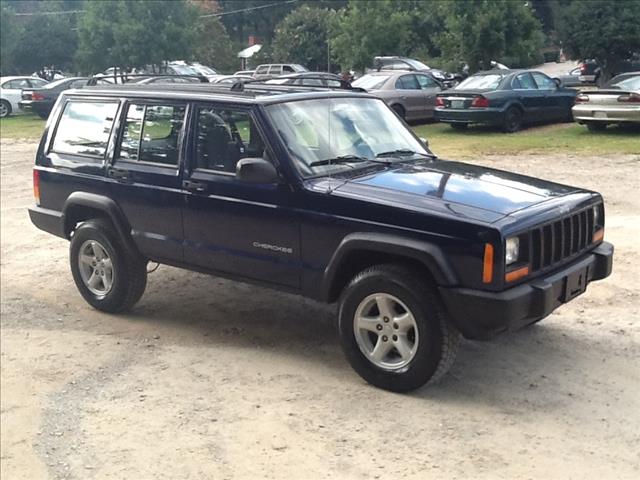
<point>120,175</point>
<point>196,187</point>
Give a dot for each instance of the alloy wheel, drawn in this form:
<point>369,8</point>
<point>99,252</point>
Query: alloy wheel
<point>386,331</point>
<point>96,268</point>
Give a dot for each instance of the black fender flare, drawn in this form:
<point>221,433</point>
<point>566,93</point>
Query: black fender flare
<point>427,254</point>
<point>111,210</point>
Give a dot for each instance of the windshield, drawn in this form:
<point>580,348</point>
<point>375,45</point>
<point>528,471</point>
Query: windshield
<point>479,82</point>
<point>298,68</point>
<point>183,70</point>
<point>55,83</point>
<point>418,65</point>
<point>632,84</point>
<point>340,134</point>
<point>371,82</point>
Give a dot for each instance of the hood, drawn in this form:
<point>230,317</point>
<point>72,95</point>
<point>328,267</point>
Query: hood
<point>458,188</point>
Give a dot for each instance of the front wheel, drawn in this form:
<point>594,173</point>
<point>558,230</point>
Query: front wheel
<point>109,278</point>
<point>394,330</point>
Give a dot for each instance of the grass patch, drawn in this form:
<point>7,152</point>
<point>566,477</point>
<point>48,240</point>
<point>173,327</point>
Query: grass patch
<point>548,139</point>
<point>21,126</point>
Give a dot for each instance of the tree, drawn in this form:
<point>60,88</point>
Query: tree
<point>302,37</point>
<point>32,42</point>
<point>213,45</point>
<point>135,33</point>
<point>479,31</point>
<point>366,29</point>
<point>606,31</point>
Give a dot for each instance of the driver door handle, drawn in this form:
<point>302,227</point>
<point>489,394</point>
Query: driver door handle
<point>196,187</point>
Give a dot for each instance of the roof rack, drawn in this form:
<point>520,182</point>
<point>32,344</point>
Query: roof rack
<point>239,86</point>
<point>126,77</point>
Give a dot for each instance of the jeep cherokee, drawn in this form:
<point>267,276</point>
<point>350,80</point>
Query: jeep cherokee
<point>319,192</point>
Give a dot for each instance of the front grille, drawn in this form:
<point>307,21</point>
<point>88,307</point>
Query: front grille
<point>557,241</point>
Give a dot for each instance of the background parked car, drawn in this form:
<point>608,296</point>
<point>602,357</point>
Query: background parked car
<point>412,95</point>
<point>589,72</point>
<point>403,63</point>
<point>571,78</point>
<point>508,98</point>
<point>618,102</point>
<point>231,79</point>
<point>167,79</point>
<point>41,100</point>
<point>310,79</point>
<point>11,92</point>
<point>248,73</point>
<point>272,70</point>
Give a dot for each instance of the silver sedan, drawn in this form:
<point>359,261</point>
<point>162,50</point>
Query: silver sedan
<point>412,95</point>
<point>617,103</point>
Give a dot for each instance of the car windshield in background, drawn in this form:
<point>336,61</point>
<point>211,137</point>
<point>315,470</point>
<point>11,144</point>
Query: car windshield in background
<point>416,64</point>
<point>184,70</point>
<point>480,82</point>
<point>632,84</point>
<point>55,83</point>
<point>298,68</point>
<point>371,82</point>
<point>333,135</point>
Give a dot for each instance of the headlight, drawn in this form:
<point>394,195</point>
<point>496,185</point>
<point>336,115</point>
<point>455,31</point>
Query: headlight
<point>596,216</point>
<point>512,250</point>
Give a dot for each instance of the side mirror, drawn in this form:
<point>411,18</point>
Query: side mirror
<point>558,82</point>
<point>256,170</point>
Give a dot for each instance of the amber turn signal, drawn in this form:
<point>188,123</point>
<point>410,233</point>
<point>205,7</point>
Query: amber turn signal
<point>487,270</point>
<point>516,274</point>
<point>598,236</point>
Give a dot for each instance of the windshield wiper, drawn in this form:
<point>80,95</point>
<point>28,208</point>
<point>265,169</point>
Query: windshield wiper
<point>338,160</point>
<point>402,152</point>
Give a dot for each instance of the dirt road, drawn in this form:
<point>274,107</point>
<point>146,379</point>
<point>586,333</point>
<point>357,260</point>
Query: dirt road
<point>211,379</point>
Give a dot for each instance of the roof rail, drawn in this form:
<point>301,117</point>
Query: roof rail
<point>120,78</point>
<point>239,86</point>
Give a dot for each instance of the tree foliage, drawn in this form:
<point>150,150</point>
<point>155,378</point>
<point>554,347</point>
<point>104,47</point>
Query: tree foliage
<point>302,37</point>
<point>134,33</point>
<point>606,31</point>
<point>30,43</point>
<point>365,29</point>
<point>213,46</point>
<point>479,31</point>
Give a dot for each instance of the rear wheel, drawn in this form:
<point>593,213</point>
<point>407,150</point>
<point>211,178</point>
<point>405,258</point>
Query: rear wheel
<point>512,120</point>
<point>107,276</point>
<point>394,330</point>
<point>596,126</point>
<point>5,109</point>
<point>459,126</point>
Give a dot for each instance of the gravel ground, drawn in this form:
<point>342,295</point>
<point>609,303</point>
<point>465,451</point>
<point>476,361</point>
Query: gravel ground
<point>210,379</point>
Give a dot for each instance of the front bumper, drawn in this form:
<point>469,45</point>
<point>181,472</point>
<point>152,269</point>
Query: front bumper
<point>482,315</point>
<point>490,116</point>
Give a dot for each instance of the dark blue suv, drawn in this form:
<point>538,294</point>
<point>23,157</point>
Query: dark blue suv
<point>319,192</point>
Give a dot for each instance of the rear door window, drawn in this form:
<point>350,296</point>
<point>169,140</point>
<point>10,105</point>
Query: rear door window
<point>524,81</point>
<point>84,128</point>
<point>151,133</point>
<point>407,82</point>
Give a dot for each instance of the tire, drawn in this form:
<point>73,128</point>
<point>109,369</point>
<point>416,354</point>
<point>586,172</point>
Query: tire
<point>512,120</point>
<point>5,109</point>
<point>596,126</point>
<point>114,280</point>
<point>400,111</point>
<point>459,126</point>
<point>430,341</point>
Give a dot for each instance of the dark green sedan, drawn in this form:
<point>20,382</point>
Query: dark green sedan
<point>505,98</point>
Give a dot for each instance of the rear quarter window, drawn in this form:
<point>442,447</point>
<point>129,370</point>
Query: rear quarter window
<point>84,128</point>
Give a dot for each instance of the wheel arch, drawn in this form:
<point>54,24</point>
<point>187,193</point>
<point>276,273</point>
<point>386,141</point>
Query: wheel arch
<point>83,206</point>
<point>359,251</point>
